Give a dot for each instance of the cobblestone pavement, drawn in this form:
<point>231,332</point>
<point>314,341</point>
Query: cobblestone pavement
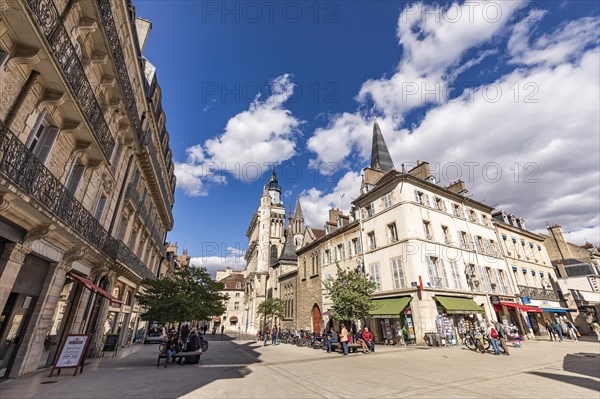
<point>246,369</point>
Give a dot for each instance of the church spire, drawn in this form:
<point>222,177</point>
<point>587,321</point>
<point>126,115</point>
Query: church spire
<point>380,156</point>
<point>298,213</point>
<point>289,249</point>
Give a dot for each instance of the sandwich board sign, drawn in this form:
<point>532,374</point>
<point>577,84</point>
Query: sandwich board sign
<point>72,353</point>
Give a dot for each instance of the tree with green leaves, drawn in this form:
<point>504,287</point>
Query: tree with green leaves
<point>191,295</point>
<point>270,308</point>
<point>351,294</point>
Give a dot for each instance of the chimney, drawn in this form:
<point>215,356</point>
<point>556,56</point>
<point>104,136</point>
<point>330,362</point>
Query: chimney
<point>558,237</point>
<point>457,187</point>
<point>421,171</point>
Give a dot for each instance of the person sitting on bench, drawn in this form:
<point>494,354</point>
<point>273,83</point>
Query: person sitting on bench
<point>169,348</point>
<point>333,339</point>
<point>358,339</point>
<point>367,336</point>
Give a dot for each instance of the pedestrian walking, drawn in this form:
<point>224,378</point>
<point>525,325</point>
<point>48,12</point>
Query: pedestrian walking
<point>344,339</point>
<point>572,331</point>
<point>596,329</point>
<point>266,335</point>
<point>502,337</point>
<point>222,331</point>
<point>558,328</point>
<point>493,336</point>
<point>551,331</point>
<point>274,336</point>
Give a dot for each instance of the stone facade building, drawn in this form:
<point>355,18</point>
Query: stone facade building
<point>578,272</point>
<point>86,177</point>
<point>234,307</point>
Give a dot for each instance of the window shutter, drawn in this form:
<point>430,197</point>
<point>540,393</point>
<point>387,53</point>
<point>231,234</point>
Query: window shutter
<point>36,126</point>
<point>75,178</point>
<point>444,273</point>
<point>417,196</point>
<point>48,138</point>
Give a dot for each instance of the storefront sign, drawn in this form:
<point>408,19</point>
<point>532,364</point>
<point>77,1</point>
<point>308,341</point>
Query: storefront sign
<point>525,300</point>
<point>72,353</point>
<point>495,300</point>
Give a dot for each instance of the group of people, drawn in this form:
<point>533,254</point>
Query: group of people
<point>171,345</point>
<point>560,327</point>
<point>364,338</point>
<point>498,335</point>
<point>268,335</point>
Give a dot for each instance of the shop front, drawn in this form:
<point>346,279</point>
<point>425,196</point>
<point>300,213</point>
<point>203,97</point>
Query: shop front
<point>456,318</point>
<point>514,315</point>
<point>392,321</point>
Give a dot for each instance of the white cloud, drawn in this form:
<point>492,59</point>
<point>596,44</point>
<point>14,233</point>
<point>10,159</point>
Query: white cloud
<point>562,45</point>
<point>253,140</point>
<point>538,123</point>
<point>220,259</point>
<point>316,203</point>
<point>580,236</point>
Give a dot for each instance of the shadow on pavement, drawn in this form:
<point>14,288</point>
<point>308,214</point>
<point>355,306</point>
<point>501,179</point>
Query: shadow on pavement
<point>587,364</point>
<point>137,376</point>
<point>579,381</point>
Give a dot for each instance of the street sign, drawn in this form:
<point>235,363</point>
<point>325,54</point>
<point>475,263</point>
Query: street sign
<point>525,300</point>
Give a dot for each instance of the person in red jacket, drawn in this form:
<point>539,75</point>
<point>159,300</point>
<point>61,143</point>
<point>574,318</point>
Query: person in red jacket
<point>367,336</point>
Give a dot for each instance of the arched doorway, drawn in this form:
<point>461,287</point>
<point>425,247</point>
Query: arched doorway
<point>316,319</point>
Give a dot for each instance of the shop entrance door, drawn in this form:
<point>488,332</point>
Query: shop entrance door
<point>13,320</point>
<point>316,319</point>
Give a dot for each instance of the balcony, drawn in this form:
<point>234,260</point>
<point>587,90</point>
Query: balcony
<point>24,170</point>
<point>538,293</point>
<point>48,19</point>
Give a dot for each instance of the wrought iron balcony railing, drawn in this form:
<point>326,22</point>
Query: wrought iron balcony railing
<point>24,170</point>
<point>49,20</point>
<point>538,293</point>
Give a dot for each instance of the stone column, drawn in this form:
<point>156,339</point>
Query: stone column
<point>10,265</point>
<point>32,346</point>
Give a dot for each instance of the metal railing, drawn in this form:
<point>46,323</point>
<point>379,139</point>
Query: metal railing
<point>24,170</point>
<point>538,293</point>
<point>49,21</point>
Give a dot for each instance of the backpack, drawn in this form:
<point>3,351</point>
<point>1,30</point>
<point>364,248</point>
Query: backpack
<point>494,333</point>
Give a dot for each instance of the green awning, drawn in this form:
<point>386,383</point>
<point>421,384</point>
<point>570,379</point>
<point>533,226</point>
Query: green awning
<point>390,307</point>
<point>456,305</point>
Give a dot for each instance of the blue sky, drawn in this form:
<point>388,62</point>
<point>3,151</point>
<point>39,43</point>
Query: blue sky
<point>505,87</point>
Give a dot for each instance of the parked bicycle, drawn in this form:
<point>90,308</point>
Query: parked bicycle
<point>475,341</point>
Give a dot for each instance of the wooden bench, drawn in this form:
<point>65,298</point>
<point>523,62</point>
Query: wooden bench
<point>353,347</point>
<point>190,357</point>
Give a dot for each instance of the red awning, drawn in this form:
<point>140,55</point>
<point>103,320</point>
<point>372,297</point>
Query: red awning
<point>94,288</point>
<point>524,308</point>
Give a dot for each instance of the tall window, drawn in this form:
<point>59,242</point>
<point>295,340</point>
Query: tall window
<point>434,277</point>
<point>447,238</point>
<point>375,277</point>
<point>100,207</point>
<point>419,197</point>
<point>456,210</point>
<point>455,275</point>
<point>273,254</point>
<point>501,283</point>
<point>341,252</point>
<point>357,248</point>
<point>392,232</point>
<point>75,177</point>
<point>42,138</point>
<point>236,306</point>
<point>370,210</point>
<point>372,242</point>
<point>484,275</point>
<point>444,273</point>
<point>398,274</point>
<point>427,230</point>
<point>387,200</point>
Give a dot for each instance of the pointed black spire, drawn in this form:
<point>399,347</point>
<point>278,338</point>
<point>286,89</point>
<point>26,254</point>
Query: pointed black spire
<point>273,182</point>
<point>380,156</point>
<point>289,249</point>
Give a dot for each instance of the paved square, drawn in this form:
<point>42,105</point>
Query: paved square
<point>245,369</point>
